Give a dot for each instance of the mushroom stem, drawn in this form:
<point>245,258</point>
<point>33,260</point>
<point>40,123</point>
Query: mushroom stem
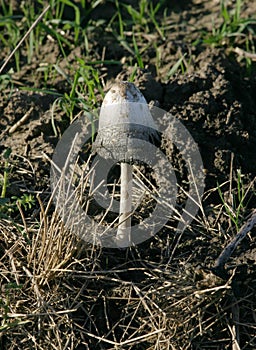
<point>124,229</point>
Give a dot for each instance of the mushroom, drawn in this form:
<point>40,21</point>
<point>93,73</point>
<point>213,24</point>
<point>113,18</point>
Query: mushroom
<point>124,123</point>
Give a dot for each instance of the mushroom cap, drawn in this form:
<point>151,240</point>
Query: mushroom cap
<point>124,122</point>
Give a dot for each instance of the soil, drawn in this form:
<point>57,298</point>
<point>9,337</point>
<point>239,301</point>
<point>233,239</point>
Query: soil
<point>214,99</point>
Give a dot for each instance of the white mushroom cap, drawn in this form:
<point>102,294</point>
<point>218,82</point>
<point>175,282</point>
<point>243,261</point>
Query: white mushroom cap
<point>124,118</point>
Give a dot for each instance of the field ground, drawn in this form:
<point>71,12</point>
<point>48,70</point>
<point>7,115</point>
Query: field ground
<point>195,59</point>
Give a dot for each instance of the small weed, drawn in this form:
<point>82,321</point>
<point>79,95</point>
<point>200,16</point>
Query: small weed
<point>144,19</point>
<point>26,201</point>
<point>178,65</point>
<point>6,83</point>
<point>120,20</point>
<point>10,34</point>
<point>4,182</point>
<point>130,25</point>
<point>5,310</point>
<point>85,88</point>
<point>233,26</point>
<point>29,15</point>
<point>137,52</point>
<point>9,205</point>
<point>235,205</point>
<point>235,32</point>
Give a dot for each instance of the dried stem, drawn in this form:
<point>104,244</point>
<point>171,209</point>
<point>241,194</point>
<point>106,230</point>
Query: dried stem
<point>229,249</point>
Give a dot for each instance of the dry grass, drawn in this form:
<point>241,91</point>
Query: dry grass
<point>58,293</point>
